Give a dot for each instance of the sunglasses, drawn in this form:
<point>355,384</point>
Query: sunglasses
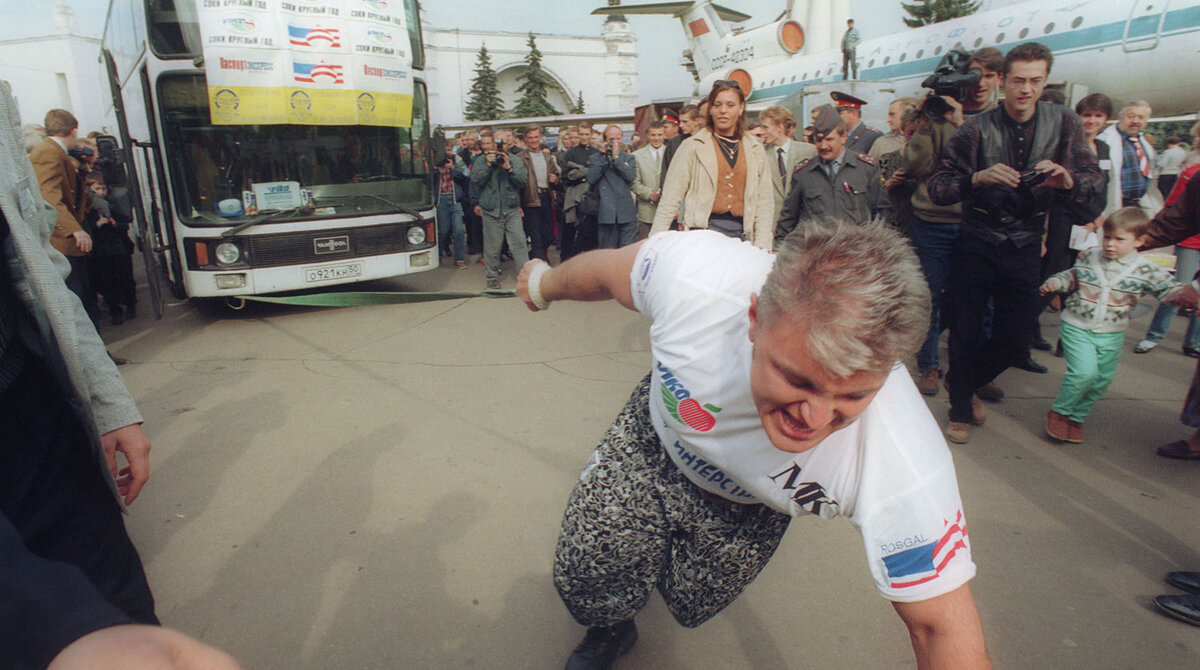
<point>727,82</point>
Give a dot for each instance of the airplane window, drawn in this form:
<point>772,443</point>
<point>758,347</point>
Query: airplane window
<point>829,71</point>
<point>1000,38</point>
<point>1024,32</point>
<point>937,51</point>
<point>871,63</point>
<point>902,57</point>
<point>1049,28</point>
<point>887,60</point>
<point>958,45</point>
<point>793,78</point>
<point>920,52</point>
<point>1077,22</point>
<point>978,41</point>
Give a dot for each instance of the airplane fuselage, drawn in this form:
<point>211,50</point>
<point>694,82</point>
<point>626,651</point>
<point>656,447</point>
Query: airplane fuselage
<point>1127,49</point>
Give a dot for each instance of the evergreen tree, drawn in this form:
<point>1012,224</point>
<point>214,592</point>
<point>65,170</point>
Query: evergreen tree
<point>925,12</point>
<point>535,84</point>
<point>577,108</point>
<point>483,100</point>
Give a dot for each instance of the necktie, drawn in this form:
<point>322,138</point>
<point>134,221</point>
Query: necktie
<point>782,169</point>
<point>1143,161</point>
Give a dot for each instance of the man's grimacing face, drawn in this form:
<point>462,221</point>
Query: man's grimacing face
<point>799,402</point>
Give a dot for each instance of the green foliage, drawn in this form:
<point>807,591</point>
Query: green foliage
<point>483,100</point>
<point>535,84</point>
<point>925,12</point>
<point>577,108</point>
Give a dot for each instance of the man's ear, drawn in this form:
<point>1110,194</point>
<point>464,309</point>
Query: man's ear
<point>753,315</point>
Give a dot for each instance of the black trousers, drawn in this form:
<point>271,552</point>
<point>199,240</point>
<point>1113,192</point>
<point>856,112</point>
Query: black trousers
<point>539,227</point>
<point>1008,276</point>
<point>80,283</point>
<point>112,277</point>
<point>53,491</point>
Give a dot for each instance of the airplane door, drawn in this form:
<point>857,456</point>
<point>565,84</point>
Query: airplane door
<point>1144,26</point>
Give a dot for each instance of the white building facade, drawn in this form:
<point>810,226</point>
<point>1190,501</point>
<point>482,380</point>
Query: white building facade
<point>603,69</point>
<point>60,71</point>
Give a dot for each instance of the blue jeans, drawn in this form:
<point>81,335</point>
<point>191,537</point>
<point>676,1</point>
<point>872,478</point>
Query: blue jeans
<point>450,221</point>
<point>935,248</point>
<point>1186,263</point>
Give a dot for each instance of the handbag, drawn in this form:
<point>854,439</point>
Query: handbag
<point>589,204</point>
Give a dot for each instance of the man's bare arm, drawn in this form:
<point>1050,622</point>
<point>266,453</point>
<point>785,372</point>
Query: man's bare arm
<point>946,632</point>
<point>602,274</point>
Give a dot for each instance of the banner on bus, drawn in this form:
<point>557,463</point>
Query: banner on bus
<point>309,62</point>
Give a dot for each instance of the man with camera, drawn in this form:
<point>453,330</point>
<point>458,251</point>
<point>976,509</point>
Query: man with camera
<point>1005,166</point>
<point>500,179</point>
<point>613,171</point>
<point>981,96</point>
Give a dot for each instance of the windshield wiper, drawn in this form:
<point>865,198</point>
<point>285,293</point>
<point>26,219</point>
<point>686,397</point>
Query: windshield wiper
<point>257,220</point>
<point>394,205</point>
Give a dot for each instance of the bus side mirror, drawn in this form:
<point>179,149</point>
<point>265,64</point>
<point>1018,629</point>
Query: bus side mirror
<point>108,160</point>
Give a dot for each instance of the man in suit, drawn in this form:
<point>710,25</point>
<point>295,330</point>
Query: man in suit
<point>61,186</point>
<point>859,136</point>
<point>613,171</point>
<point>1132,159</point>
<point>649,161</point>
<point>64,415</point>
<point>783,153</point>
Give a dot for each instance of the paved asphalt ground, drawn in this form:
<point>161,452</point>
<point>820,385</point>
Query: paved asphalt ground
<point>381,487</point>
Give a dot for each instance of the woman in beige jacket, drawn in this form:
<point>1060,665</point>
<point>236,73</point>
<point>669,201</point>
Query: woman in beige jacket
<point>721,176</point>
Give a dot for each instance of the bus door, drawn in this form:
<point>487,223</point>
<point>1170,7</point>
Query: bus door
<point>149,242</point>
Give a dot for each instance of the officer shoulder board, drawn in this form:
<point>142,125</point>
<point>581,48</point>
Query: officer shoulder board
<point>868,159</point>
<point>801,165</point>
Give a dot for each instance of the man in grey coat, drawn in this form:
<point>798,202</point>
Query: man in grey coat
<point>500,178</point>
<point>69,568</point>
<point>614,171</point>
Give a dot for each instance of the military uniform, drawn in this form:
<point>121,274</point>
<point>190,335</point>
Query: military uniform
<point>859,140</point>
<point>855,192</point>
<point>862,136</point>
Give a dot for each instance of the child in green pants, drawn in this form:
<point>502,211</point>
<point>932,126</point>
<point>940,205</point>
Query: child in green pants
<point>1102,289</point>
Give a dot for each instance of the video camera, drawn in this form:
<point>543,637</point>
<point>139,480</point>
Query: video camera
<point>953,77</point>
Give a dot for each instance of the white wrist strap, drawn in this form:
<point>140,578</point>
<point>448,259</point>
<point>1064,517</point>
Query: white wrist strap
<point>535,285</point>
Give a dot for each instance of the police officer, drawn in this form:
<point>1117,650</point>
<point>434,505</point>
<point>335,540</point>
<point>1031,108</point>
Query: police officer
<point>837,183</point>
<point>859,136</point>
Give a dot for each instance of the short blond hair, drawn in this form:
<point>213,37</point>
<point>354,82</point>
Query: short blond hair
<point>779,115</point>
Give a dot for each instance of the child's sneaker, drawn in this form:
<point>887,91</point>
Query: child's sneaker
<point>1059,427</point>
<point>1075,432</point>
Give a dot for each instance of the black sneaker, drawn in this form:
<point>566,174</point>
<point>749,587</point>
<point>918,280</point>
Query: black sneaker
<point>602,645</point>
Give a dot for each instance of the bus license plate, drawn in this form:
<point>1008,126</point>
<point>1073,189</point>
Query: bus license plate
<point>331,272</point>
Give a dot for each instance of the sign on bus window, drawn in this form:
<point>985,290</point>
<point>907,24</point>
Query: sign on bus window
<point>307,62</point>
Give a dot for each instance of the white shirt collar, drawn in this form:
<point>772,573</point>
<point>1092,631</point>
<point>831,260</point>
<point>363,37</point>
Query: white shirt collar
<point>59,143</point>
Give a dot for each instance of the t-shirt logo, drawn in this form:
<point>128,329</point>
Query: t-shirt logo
<point>926,561</point>
<point>681,405</point>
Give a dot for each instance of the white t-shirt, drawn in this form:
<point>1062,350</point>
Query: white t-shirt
<point>890,472</point>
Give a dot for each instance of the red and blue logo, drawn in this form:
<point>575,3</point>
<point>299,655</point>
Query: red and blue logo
<point>318,73</point>
<point>925,562</point>
<point>314,37</point>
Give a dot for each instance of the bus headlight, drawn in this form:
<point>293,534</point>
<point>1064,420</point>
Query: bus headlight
<point>228,253</point>
<point>416,235</point>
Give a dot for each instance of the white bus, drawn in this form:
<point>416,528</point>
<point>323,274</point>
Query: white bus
<point>371,211</point>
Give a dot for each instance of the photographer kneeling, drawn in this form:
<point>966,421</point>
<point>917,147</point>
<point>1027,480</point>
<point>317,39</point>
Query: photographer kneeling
<point>1005,165</point>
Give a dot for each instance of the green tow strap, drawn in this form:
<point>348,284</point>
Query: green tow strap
<point>356,298</point>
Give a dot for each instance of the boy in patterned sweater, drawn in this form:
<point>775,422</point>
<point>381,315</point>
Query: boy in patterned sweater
<point>1102,289</point>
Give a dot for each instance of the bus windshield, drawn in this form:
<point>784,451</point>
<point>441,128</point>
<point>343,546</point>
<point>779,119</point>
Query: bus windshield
<point>347,170</point>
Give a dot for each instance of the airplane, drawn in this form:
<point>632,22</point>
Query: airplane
<point>1128,49</point>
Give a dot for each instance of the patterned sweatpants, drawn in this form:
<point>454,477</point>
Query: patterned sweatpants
<point>635,523</point>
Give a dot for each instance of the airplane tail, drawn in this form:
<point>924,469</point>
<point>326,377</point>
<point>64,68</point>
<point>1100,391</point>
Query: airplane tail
<point>704,25</point>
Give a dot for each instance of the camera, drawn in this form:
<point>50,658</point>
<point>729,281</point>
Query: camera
<point>1033,178</point>
<point>952,77</point>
